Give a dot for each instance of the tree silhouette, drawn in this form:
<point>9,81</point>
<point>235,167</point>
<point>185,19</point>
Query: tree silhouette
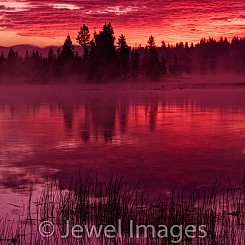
<point>27,56</point>
<point>163,66</point>
<point>123,55</point>
<point>67,53</point>
<point>13,63</point>
<point>58,52</point>
<point>152,66</point>
<point>104,60</point>
<point>2,63</point>
<point>151,42</point>
<point>135,63</point>
<point>104,42</point>
<point>12,57</point>
<point>175,67</point>
<point>2,58</point>
<point>91,48</point>
<point>163,45</point>
<point>83,39</point>
<point>51,62</point>
<point>51,56</point>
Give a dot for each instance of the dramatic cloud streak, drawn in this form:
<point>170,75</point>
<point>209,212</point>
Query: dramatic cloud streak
<point>172,21</point>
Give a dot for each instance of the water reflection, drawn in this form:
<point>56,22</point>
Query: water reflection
<point>185,140</point>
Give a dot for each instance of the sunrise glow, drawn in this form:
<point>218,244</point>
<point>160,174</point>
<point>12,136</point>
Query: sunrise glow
<point>47,22</point>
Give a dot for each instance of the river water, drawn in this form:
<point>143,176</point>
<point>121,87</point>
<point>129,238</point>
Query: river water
<point>183,137</point>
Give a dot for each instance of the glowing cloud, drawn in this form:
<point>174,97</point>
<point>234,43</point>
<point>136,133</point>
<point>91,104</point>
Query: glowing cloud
<point>14,6</point>
<point>64,6</point>
<point>117,10</point>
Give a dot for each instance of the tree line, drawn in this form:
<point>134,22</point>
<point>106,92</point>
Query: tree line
<point>105,58</point>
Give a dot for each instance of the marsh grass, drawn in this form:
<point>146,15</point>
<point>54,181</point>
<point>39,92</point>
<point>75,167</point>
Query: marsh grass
<point>91,201</point>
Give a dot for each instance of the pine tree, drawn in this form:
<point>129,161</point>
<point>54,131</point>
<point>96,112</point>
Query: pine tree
<point>2,61</point>
<point>152,66</point>
<point>175,68</point>
<point>51,62</point>
<point>135,63</point>
<point>27,56</point>
<point>58,52</point>
<point>123,55</point>
<point>104,58</point>
<point>67,53</point>
<point>83,39</point>
<point>104,42</point>
<point>51,56</point>
<point>2,58</point>
<point>91,48</point>
<point>163,66</point>
<point>12,56</point>
<point>151,42</point>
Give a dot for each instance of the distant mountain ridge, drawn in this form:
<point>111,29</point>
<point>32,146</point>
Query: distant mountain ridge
<point>21,49</point>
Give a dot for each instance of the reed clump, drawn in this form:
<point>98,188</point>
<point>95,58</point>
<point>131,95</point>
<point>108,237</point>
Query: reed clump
<point>92,202</point>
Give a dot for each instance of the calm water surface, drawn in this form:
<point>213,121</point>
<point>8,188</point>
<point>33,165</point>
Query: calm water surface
<point>185,138</point>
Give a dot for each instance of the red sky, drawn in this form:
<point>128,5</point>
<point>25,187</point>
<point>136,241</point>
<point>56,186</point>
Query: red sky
<point>48,22</point>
